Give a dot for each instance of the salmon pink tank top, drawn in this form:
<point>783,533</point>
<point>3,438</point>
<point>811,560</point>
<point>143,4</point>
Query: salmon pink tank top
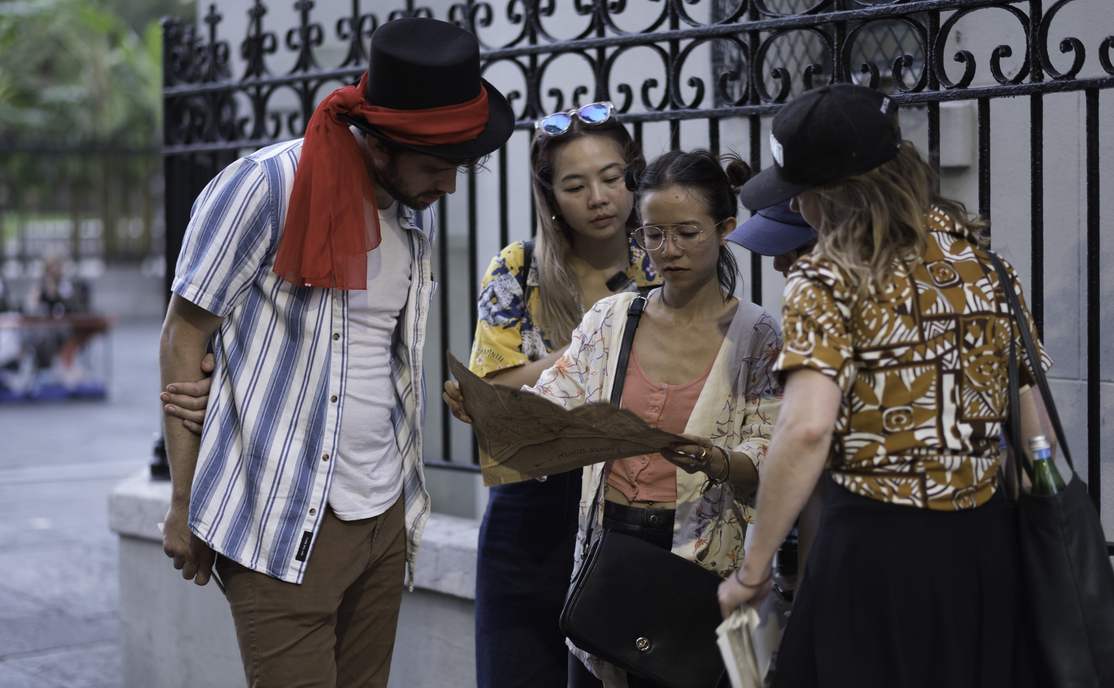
<point>652,477</point>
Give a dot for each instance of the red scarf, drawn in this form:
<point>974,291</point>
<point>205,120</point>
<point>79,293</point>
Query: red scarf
<point>325,241</point>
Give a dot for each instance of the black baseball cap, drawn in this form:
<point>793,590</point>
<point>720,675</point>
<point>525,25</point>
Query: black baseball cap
<point>824,135</point>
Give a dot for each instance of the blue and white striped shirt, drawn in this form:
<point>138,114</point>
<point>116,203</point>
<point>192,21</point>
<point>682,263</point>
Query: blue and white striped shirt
<point>262,481</point>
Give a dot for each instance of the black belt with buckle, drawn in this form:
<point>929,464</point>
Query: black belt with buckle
<point>652,525</point>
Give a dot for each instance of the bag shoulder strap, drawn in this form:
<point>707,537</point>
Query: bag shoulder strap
<point>1034,361</point>
<point>634,314</point>
<point>1013,420</point>
<point>527,259</point>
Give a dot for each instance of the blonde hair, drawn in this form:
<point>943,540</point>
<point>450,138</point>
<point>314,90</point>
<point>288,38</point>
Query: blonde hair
<point>559,301</point>
<point>873,221</point>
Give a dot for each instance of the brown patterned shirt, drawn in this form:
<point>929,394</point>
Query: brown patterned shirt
<point>923,369</point>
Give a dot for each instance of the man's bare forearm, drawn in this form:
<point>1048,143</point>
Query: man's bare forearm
<point>185,335</point>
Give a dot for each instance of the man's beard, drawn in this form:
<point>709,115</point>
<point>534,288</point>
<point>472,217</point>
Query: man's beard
<point>391,181</point>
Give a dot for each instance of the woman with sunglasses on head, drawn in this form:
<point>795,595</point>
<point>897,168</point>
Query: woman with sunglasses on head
<point>699,365</point>
<point>532,297</point>
<point>897,338</point>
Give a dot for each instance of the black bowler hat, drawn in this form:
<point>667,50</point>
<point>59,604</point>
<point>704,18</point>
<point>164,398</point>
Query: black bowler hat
<point>419,64</point>
<point>824,135</point>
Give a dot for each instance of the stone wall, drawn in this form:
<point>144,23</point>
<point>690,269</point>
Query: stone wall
<point>178,635</point>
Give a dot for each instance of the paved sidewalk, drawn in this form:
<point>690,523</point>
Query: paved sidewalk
<point>59,593</point>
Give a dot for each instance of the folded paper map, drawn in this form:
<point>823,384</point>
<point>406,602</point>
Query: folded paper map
<point>523,436</point>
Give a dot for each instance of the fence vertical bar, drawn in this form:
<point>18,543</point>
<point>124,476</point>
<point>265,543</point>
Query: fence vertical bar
<point>443,320</point>
<point>984,157</point>
<point>755,122</point>
<point>1094,305</point>
<point>504,222</point>
<point>933,106</point>
<point>473,273</point>
<point>1036,209</point>
<point>672,86</point>
<point>839,36</point>
<point>533,211</point>
<point>1036,153</point>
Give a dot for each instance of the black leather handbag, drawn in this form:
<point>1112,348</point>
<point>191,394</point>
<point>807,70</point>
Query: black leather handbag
<point>647,611</point>
<point>1066,575</point>
<point>642,608</point>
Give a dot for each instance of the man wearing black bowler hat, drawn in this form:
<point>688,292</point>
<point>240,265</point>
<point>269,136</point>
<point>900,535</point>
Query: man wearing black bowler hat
<point>307,266</point>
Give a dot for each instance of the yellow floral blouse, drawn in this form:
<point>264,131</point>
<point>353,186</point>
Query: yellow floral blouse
<point>506,335</point>
<point>923,369</point>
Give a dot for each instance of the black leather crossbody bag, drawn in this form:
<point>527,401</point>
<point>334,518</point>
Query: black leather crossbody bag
<point>642,608</point>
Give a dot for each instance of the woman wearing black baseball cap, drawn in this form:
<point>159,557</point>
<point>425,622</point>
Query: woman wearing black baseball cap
<point>896,342</point>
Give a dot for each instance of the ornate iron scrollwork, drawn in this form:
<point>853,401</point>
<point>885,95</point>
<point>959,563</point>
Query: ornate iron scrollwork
<point>762,53</point>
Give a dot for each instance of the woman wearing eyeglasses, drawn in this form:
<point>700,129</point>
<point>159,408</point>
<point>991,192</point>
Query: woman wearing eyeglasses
<point>699,365</point>
<point>532,297</point>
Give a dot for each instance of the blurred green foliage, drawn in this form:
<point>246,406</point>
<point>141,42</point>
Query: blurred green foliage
<point>81,123</point>
<point>75,72</point>
<point>140,14</point>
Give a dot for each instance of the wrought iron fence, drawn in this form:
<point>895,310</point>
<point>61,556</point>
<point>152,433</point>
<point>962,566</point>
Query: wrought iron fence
<point>95,204</point>
<point>706,71</point>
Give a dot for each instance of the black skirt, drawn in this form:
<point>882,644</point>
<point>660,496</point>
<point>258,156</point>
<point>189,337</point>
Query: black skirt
<point>902,597</point>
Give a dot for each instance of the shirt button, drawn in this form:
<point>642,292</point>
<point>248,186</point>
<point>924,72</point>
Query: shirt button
<point>333,398</point>
<point>313,512</point>
<point>336,336</point>
<point>655,409</point>
<point>325,457</point>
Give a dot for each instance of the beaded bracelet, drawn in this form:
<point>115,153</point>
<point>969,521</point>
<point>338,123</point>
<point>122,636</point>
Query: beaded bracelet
<point>759,584</point>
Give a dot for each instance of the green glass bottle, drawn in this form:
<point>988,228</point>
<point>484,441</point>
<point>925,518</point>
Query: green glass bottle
<point>1046,479</point>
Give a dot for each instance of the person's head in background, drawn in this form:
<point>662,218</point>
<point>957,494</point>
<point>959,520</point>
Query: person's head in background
<point>577,160</point>
<point>687,202</point>
<point>56,293</point>
<point>54,267</point>
<point>776,231</point>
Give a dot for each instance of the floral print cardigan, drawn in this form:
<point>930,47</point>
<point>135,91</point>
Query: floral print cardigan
<point>736,408</point>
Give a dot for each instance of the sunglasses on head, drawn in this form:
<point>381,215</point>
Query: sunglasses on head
<point>559,122</point>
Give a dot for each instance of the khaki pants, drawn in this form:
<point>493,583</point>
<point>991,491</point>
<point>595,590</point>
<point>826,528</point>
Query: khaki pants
<point>336,629</point>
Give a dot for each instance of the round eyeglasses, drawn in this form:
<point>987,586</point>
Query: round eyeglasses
<point>652,237</point>
<point>559,122</point>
